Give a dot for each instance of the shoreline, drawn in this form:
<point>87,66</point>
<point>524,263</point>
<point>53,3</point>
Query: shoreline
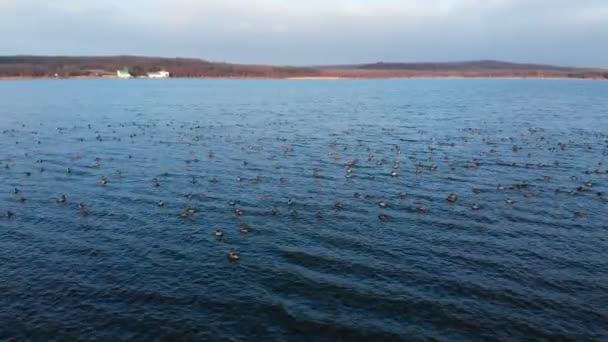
<point>315,78</point>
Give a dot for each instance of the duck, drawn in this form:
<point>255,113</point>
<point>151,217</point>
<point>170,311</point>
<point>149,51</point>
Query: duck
<point>15,191</point>
<point>22,199</point>
<point>103,180</point>
<point>403,194</point>
<point>476,190</point>
<point>218,234</point>
<point>394,173</point>
<point>290,202</point>
<point>156,182</point>
<point>510,201</point>
<point>384,217</point>
<point>475,207</point>
<point>160,203</point>
<point>238,212</point>
<point>244,229</point>
<point>10,214</point>
<point>339,205</point>
<point>580,214</point>
<point>184,214</point>
<point>452,198</point>
<point>233,256</point>
<point>382,204</point>
<point>83,209</point>
<point>62,199</point>
<point>422,209</point>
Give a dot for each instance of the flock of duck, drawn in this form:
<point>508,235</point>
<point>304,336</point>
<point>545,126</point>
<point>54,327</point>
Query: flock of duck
<point>389,164</point>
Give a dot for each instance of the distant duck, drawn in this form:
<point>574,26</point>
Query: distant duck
<point>384,217</point>
<point>476,190</point>
<point>103,180</point>
<point>394,174</point>
<point>219,235</point>
<point>422,209</point>
<point>452,198</point>
<point>15,191</point>
<point>339,205</point>
<point>357,195</point>
<point>184,214</point>
<point>160,203</point>
<point>238,212</point>
<point>510,201</point>
<point>156,182</point>
<point>83,209</point>
<point>274,211</point>
<point>403,194</point>
<point>580,214</point>
<point>233,256</point>
<point>244,229</point>
<point>290,202</point>
<point>382,204</point>
<point>22,199</point>
<point>475,207</point>
<point>69,171</point>
<point>10,214</point>
<point>232,203</point>
<point>62,199</point>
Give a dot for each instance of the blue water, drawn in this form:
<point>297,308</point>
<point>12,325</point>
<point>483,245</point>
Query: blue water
<point>325,259</point>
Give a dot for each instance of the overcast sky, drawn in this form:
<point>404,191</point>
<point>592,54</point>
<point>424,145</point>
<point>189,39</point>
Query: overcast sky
<point>309,32</point>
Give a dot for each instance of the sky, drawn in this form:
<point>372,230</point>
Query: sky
<point>313,32</point>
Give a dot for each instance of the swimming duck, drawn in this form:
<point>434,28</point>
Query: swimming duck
<point>403,194</point>
<point>83,209</point>
<point>62,199</point>
<point>384,217</point>
<point>382,204</point>
<point>394,174</point>
<point>156,182</point>
<point>475,207</point>
<point>160,203</point>
<point>233,256</point>
<point>580,214</point>
<point>22,199</point>
<point>510,201</point>
<point>290,201</point>
<point>452,197</point>
<point>421,209</point>
<point>244,229</point>
<point>184,214</point>
<point>15,191</point>
<point>339,205</point>
<point>10,214</point>
<point>238,212</point>
<point>218,234</point>
<point>476,190</point>
<point>103,180</point>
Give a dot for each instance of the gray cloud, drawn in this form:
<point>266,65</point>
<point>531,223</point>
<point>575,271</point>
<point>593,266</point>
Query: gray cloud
<point>315,31</point>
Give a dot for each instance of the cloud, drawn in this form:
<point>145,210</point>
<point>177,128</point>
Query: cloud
<point>313,31</point>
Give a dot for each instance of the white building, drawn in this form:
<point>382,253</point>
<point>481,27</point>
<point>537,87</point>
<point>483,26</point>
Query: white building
<point>159,74</point>
<point>123,73</point>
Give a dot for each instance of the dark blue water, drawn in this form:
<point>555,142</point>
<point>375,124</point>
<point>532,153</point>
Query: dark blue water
<point>333,252</point>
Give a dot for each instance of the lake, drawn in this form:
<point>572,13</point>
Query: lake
<point>334,194</point>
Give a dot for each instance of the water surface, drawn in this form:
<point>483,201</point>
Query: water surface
<point>325,259</point>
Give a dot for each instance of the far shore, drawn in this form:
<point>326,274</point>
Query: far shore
<point>315,78</point>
